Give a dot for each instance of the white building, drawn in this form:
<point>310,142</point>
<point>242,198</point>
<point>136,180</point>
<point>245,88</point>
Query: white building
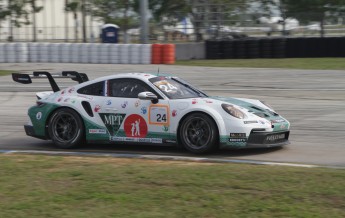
<point>52,24</point>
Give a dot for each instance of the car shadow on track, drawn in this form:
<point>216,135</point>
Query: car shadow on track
<point>151,150</point>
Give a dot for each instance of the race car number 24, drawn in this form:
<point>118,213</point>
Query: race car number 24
<point>159,114</point>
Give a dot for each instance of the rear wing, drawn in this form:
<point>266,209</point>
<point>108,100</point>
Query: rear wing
<point>27,78</point>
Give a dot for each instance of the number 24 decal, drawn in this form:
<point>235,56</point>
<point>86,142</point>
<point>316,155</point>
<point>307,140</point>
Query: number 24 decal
<point>161,118</point>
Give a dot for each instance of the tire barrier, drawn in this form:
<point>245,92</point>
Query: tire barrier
<point>157,51</point>
<point>168,54</point>
<point>87,53</point>
<point>276,48</point>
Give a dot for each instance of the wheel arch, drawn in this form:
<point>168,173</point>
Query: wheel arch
<point>51,114</point>
<point>219,122</point>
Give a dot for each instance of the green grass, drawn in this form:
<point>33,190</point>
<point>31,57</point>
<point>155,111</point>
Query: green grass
<point>5,72</point>
<point>45,186</point>
<point>289,63</point>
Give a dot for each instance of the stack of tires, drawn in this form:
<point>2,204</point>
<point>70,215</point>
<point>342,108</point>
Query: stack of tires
<point>134,53</point>
<point>22,52</point>
<point>2,53</point>
<point>65,50</point>
<point>94,53</point>
<point>104,53</point>
<point>10,51</point>
<point>253,48</point>
<point>265,48</point>
<point>228,47</point>
<point>145,54</point>
<point>124,53</point>
<point>55,52</point>
<point>214,49</point>
<point>278,46</point>
<point>84,55</point>
<point>43,51</point>
<point>33,52</point>
<point>114,55</point>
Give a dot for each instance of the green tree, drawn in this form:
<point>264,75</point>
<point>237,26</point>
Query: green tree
<point>17,14</point>
<point>34,9</point>
<point>74,7</point>
<point>118,12</point>
<point>308,10</point>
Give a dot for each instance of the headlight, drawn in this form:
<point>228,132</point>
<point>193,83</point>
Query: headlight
<point>233,111</point>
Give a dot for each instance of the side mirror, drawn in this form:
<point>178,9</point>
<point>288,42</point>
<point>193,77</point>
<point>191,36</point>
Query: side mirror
<point>148,96</point>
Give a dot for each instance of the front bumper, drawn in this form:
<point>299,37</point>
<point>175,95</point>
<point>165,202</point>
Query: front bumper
<point>268,139</point>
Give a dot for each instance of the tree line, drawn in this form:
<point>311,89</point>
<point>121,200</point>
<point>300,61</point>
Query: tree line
<point>125,13</point>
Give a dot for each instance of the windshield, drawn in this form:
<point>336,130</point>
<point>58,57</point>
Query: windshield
<point>175,88</point>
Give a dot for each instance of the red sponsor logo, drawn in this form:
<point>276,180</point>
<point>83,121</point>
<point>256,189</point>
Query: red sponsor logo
<point>135,126</point>
<point>194,101</point>
<point>174,113</point>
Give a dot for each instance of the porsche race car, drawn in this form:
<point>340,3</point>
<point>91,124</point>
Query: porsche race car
<point>151,109</point>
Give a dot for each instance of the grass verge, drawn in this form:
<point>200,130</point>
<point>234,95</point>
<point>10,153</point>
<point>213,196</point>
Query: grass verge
<point>289,63</point>
<point>45,186</point>
<point>5,72</point>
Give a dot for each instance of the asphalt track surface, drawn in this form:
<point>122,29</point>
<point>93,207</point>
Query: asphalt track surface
<point>313,101</point>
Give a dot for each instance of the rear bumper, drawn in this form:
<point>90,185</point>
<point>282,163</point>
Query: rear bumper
<point>30,131</point>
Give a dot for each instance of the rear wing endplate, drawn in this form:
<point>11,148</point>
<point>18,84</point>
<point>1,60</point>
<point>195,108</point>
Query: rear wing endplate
<point>27,78</point>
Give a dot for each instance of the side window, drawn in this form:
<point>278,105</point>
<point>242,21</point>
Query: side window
<point>93,89</point>
<point>127,88</point>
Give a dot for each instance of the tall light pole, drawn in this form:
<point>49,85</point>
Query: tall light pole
<point>144,22</point>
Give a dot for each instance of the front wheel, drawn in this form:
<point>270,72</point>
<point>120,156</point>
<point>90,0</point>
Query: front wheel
<point>66,128</point>
<point>199,133</point>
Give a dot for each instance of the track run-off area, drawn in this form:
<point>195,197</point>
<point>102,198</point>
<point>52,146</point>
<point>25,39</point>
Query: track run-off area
<point>312,100</point>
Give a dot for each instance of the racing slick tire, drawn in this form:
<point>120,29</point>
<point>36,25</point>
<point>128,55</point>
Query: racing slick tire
<point>198,133</point>
<point>66,128</point>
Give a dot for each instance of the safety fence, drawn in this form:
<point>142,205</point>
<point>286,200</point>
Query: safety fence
<point>86,53</point>
<point>276,48</point>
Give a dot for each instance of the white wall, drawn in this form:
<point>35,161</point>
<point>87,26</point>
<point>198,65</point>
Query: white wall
<point>50,24</point>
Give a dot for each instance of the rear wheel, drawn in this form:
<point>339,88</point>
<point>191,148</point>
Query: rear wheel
<point>199,133</point>
<point>66,128</point>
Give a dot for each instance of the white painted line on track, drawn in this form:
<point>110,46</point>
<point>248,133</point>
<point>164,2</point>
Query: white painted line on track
<point>165,157</point>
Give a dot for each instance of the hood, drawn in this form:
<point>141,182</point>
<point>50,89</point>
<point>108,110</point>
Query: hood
<point>252,106</point>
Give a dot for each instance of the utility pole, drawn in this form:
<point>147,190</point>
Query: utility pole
<point>66,22</point>
<point>83,15</point>
<point>144,22</point>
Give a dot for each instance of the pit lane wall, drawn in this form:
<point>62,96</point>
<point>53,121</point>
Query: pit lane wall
<point>301,47</point>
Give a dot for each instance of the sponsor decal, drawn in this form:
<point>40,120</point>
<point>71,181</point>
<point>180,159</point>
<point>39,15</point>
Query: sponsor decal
<point>131,139</point>
<point>73,101</point>
<point>59,99</point>
<point>71,90</point>
<point>174,113</point>
<point>124,105</point>
<point>208,101</point>
<point>137,103</point>
<point>147,75</point>
<point>165,128</point>
<point>169,141</point>
<point>135,126</point>
<point>112,122</point>
<point>97,108</point>
<point>237,135</point>
<point>250,121</point>
<point>66,100</point>
<point>108,102</point>
<point>282,126</point>
<point>194,101</point>
<point>238,140</point>
<point>39,115</point>
<point>97,131</point>
<point>144,110</point>
<point>272,138</point>
<point>159,115</point>
<point>63,92</point>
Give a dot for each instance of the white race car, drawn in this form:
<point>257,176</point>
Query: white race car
<point>145,108</point>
